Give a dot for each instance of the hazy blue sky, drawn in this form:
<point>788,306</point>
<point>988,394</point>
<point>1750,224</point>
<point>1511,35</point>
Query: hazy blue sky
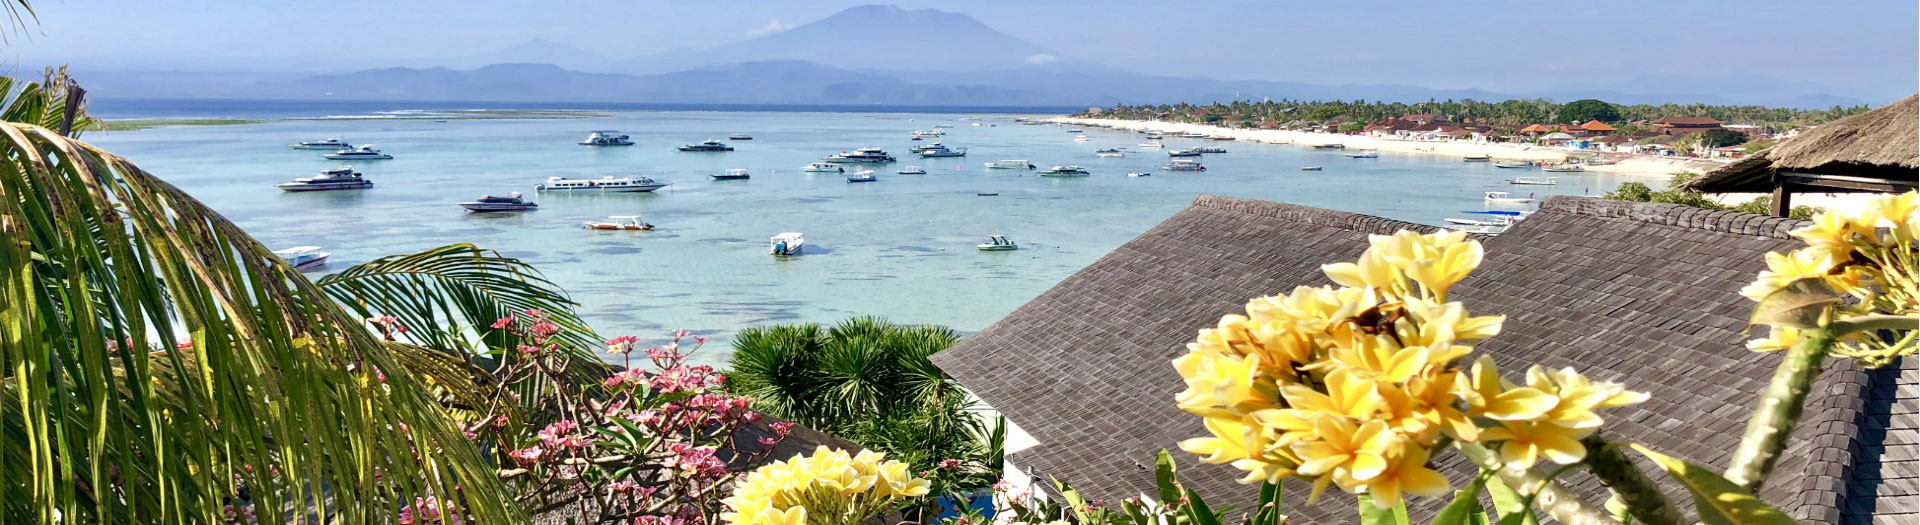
<point>1857,48</point>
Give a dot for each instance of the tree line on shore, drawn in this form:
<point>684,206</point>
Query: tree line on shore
<point>1510,113</point>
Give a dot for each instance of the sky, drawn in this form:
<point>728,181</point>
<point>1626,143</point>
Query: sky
<point>1866,49</point>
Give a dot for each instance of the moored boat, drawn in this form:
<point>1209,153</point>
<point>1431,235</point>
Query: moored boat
<point>1065,171</point>
<point>1477,158</point>
<point>789,243</point>
<point>1010,165</point>
<point>912,170</point>
<point>732,174</point>
<point>1183,165</point>
<point>1504,197</point>
<point>303,258</point>
<point>1153,145</point>
<point>335,143</point>
<point>942,151</point>
<point>606,138</point>
<point>1510,165</point>
<point>1309,168</point>
<point>739,136</point>
<point>1204,149</point>
<point>607,184</point>
<point>862,176</point>
<point>997,243</point>
<point>620,222</point>
<point>1368,154</point>
<point>1563,168</point>
<point>342,178</point>
<point>1329,145</point>
<point>711,145</point>
<point>1183,153</point>
<point>508,202</point>
<point>361,153</point>
<point>1535,181</point>
<point>860,156</point>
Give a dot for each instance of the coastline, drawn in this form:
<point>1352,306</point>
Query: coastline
<point>1652,168</point>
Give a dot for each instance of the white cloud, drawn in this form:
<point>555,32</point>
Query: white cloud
<point>773,26</point>
<point>1041,59</point>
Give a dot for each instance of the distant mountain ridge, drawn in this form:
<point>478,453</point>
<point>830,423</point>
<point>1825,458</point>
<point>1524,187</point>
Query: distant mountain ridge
<point>869,37</point>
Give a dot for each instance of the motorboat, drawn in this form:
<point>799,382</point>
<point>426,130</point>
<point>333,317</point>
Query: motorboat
<point>1204,149</point>
<point>822,167</point>
<point>930,133</point>
<point>361,153</point>
<point>1183,165</point>
<point>335,144</point>
<point>1183,153</point>
<point>606,184</point>
<point>620,222</point>
<point>1010,165</point>
<point>986,194</point>
<point>1597,161</point>
<point>1138,174</point>
<point>1502,221</point>
<point>1153,145</point>
<point>912,170</point>
<point>1076,131</point>
<point>1110,152</point>
<point>860,156</point>
<point>925,147</point>
<point>303,258</point>
<point>1536,181</point>
<point>1065,171</point>
<point>1482,229</point>
<point>1309,168</point>
<point>862,176</point>
<point>1082,138</point>
<point>1504,197</point>
<point>1329,145</point>
<point>739,136</point>
<point>915,137</point>
<point>1193,135</point>
<point>789,243</point>
<point>1524,164</point>
<point>342,178</point>
<point>1369,154</point>
<point>1154,135</point>
<point>1563,168</point>
<point>1227,138</point>
<point>997,243</point>
<point>733,174</point>
<point>942,151</point>
<point>606,138</point>
<point>711,145</point>
<point>508,202</point>
<point>1477,158</point>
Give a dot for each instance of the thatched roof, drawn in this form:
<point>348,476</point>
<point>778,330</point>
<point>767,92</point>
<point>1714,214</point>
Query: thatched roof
<point>1641,293</point>
<point>1879,145</point>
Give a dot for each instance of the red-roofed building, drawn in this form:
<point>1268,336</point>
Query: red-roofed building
<point>1596,126</point>
<point>1421,118</point>
<point>1685,125</point>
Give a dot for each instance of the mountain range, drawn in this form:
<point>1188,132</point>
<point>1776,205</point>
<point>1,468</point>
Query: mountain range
<point>873,54</point>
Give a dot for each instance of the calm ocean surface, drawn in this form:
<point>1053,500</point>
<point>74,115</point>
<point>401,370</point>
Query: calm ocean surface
<point>900,248</point>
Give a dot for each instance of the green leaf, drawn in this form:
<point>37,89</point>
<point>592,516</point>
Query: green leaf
<point>1197,511</point>
<point>1511,505</point>
<point>1800,304</point>
<point>1269,510</point>
<point>1164,477</point>
<point>1465,506</point>
<point>1372,515</point>
<point>1719,502</point>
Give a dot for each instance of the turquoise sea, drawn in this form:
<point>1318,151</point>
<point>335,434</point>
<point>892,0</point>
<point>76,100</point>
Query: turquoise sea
<point>902,247</point>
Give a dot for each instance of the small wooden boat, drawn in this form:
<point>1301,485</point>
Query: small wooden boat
<point>620,222</point>
<point>1309,168</point>
<point>1506,198</point>
<point>1364,155</point>
<point>862,176</point>
<point>1536,181</point>
<point>1477,158</point>
<point>1564,168</point>
<point>740,136</point>
<point>997,243</point>
<point>1527,164</point>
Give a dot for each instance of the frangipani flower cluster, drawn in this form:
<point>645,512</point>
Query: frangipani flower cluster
<point>1867,254</point>
<point>829,487</point>
<point>1354,386</point>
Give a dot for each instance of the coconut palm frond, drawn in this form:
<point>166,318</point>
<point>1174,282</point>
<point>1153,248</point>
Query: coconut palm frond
<point>46,103</point>
<point>160,364</point>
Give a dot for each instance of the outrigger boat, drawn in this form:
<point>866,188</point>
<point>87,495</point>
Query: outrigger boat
<point>1506,198</point>
<point>1477,158</point>
<point>997,243</point>
<point>620,222</point>
<point>1536,181</point>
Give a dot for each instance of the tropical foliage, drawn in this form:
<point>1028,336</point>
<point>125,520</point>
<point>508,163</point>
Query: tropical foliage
<point>1509,114</point>
<point>1584,110</point>
<point>1676,193</point>
<point>869,381</point>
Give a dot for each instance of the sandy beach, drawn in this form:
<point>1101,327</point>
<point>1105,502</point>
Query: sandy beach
<point>1655,168</point>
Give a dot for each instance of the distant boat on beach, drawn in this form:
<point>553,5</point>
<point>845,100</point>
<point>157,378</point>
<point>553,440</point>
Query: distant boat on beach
<point>1477,158</point>
<point>1330,145</point>
<point>1564,168</point>
<point>1525,164</point>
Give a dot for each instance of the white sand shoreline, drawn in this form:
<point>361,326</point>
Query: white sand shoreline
<point>1652,168</point>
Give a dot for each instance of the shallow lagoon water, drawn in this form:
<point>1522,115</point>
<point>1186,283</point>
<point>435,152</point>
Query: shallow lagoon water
<point>902,247</point>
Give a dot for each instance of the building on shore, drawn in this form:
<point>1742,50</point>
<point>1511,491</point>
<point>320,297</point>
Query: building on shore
<point>1685,125</point>
<point>1644,294</point>
<point>1873,152</point>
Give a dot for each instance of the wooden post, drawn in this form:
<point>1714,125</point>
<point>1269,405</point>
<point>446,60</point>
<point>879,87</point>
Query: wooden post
<point>1781,197</point>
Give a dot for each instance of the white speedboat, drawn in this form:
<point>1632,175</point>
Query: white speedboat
<point>335,144</point>
<point>1153,145</point>
<point>303,258</point>
<point>342,178</point>
<point>508,202</point>
<point>1109,152</point>
<point>732,174</point>
<point>942,151</point>
<point>1563,168</point>
<point>789,243</point>
<point>1010,165</point>
<point>1082,138</point>
<point>860,156</point>
<point>711,145</point>
<point>620,222</point>
<point>1138,174</point>
<point>997,243</point>
<point>1184,165</point>
<point>862,176</point>
<point>1065,171</point>
<point>604,184</point>
<point>1478,222</point>
<point>912,170</point>
<point>1183,153</point>
<point>606,138</point>
<point>361,153</point>
<point>925,147</point>
<point>1369,154</point>
<point>822,167</point>
<point>1506,198</point>
<point>1536,181</point>
<point>930,133</point>
<point>739,136</point>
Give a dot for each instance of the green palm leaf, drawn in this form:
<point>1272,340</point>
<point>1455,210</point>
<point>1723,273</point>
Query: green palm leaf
<point>448,296</point>
<point>103,269</point>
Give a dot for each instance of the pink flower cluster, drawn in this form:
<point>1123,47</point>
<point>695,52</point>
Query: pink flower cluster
<point>426,511</point>
<point>563,435</point>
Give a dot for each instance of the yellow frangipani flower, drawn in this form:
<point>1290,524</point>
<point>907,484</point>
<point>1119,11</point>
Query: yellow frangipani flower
<point>1443,267</point>
<point>1524,443</point>
<point>830,484</point>
<point>1446,323</point>
<point>1372,272</point>
<point>1219,385</point>
<point>1778,338</point>
<point>1347,396</point>
<point>1487,396</point>
<point>1406,473</point>
<point>1434,396</point>
<point>1244,447</point>
<point>1578,397</point>
<point>1901,213</point>
<point>1357,452</point>
<point>1783,269</point>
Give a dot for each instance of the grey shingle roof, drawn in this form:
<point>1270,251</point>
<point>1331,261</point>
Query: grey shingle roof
<point>1640,293</point>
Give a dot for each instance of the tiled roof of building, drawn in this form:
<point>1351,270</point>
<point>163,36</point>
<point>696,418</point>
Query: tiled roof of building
<point>1640,293</point>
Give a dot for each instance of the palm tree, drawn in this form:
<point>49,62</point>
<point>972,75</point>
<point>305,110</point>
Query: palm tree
<point>160,365</point>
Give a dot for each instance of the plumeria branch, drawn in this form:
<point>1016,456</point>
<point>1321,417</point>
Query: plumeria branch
<point>1549,495</point>
<point>1780,409</point>
<point>1637,492</point>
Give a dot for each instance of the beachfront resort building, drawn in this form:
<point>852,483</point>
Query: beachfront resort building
<point>1873,152</point>
<point>1684,125</point>
<point>1639,293</point>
